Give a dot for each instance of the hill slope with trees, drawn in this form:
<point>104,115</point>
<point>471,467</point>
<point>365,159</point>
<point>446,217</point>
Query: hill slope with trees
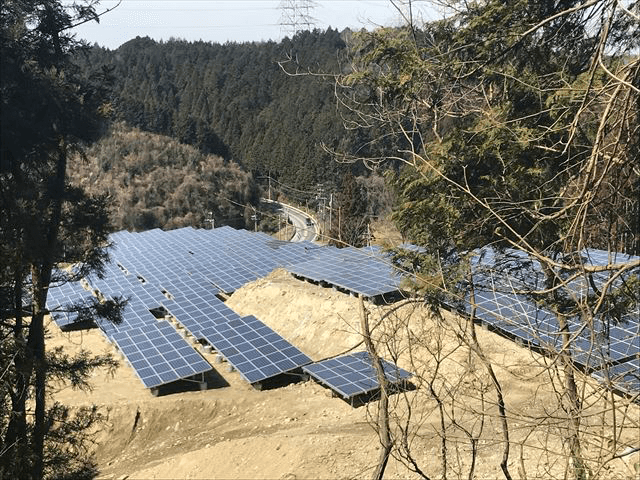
<point>153,181</point>
<point>237,101</point>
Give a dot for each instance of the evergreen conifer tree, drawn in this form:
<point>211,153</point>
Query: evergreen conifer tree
<point>49,110</point>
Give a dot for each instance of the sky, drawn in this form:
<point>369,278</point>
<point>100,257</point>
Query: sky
<point>221,21</point>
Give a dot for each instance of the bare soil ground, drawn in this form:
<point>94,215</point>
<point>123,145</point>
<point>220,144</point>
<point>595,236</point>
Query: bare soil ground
<point>300,430</point>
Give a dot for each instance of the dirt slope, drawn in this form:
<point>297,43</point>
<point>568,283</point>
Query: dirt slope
<point>297,431</point>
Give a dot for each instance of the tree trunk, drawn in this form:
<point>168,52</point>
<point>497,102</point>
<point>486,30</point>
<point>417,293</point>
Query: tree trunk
<point>384,431</point>
<point>36,340</point>
<point>41,278</point>
<point>504,464</point>
<point>15,439</point>
<point>572,404</point>
<point>570,401</point>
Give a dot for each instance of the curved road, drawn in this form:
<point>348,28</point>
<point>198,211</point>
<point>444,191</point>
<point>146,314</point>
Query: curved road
<point>305,225</point>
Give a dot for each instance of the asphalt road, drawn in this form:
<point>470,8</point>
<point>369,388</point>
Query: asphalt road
<point>304,231</point>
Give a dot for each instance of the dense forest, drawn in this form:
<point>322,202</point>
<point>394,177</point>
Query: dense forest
<point>279,111</point>
<point>267,106</point>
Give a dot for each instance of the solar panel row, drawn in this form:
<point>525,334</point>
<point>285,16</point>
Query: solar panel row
<point>361,271</point>
<point>194,314</point>
<point>353,374</point>
<point>256,351</point>
<point>134,314</point>
<point>624,377</point>
<point>196,309</point>
<point>518,318</point>
<point>597,345</point>
<point>158,354</point>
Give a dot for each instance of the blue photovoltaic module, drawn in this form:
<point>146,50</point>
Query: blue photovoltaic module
<point>601,345</point>
<point>253,349</point>
<point>158,354</point>
<point>353,374</point>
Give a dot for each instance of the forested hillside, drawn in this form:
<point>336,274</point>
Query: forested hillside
<point>236,101</point>
<point>154,181</point>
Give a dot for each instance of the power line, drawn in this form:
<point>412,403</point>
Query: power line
<point>287,187</point>
<point>197,27</point>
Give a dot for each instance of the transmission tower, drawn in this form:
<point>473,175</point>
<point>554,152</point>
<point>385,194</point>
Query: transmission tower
<point>296,16</point>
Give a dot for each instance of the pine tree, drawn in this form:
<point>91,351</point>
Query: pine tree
<point>350,228</point>
<point>49,110</point>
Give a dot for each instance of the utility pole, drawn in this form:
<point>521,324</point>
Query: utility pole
<point>210,220</point>
<point>254,217</point>
<point>320,196</point>
<point>330,208</point>
<point>324,214</point>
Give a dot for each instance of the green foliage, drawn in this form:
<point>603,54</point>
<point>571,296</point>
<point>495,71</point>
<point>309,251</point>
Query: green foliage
<point>351,206</point>
<point>48,110</point>
<point>76,371</point>
<point>483,114</point>
<point>235,101</point>
<point>70,436</point>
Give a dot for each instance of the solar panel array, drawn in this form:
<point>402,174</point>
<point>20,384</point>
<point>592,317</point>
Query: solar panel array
<point>353,374</point>
<point>606,347</point>
<point>365,271</point>
<point>180,272</point>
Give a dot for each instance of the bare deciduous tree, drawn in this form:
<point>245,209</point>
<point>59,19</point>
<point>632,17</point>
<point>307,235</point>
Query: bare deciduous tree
<point>515,126</point>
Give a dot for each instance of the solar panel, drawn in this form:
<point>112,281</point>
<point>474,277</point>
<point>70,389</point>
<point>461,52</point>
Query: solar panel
<point>64,296</point>
<point>158,354</point>
<point>256,351</point>
<point>603,257</point>
<point>353,374</point>
<point>624,377</point>
<point>360,271</point>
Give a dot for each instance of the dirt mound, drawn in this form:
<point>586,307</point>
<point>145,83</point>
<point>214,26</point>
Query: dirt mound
<point>268,434</point>
<point>321,322</point>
